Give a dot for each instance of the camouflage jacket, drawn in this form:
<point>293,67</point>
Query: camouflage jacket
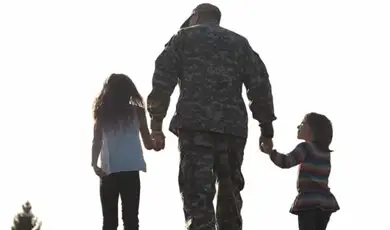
<point>211,64</point>
<point>26,221</point>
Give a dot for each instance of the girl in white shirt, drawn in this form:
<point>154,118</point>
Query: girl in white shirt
<point>119,117</point>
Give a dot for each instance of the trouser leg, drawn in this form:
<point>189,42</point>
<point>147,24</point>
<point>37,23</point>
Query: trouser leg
<point>197,179</point>
<point>129,188</point>
<point>109,196</point>
<point>228,162</point>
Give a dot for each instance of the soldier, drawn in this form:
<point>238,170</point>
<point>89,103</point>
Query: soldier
<point>26,220</point>
<point>210,64</point>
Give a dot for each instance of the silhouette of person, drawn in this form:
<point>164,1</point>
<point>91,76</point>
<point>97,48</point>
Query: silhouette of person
<point>210,64</point>
<point>26,220</point>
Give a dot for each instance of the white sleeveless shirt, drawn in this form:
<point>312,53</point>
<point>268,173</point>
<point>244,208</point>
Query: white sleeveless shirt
<point>122,150</point>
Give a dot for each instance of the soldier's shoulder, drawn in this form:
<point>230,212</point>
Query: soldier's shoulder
<point>234,35</point>
<point>192,31</point>
<point>210,29</point>
<point>199,32</point>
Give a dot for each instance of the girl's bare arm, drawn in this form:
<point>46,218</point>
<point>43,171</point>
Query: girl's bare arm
<point>96,143</point>
<point>145,134</point>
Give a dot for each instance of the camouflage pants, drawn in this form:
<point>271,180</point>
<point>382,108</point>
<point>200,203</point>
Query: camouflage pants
<point>207,158</point>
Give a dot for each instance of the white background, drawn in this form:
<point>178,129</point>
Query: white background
<point>329,56</point>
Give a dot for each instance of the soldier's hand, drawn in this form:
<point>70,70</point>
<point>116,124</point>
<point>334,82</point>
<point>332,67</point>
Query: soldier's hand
<point>266,144</point>
<point>158,138</point>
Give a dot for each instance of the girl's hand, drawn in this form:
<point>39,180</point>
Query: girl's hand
<point>158,138</point>
<point>266,144</point>
<point>98,171</point>
<point>266,148</point>
<point>149,144</point>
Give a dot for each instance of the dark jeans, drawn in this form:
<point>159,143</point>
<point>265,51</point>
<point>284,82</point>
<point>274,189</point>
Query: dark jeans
<point>127,185</point>
<point>313,219</point>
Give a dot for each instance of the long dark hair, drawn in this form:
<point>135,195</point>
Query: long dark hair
<point>322,130</point>
<point>117,102</point>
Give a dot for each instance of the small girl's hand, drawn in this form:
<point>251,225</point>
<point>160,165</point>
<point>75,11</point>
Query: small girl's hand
<point>266,148</point>
<point>158,138</point>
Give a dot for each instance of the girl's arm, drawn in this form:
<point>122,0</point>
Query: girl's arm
<point>96,143</point>
<point>292,159</point>
<point>145,134</point>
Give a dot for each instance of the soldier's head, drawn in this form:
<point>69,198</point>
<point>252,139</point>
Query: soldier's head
<point>26,207</point>
<point>203,13</point>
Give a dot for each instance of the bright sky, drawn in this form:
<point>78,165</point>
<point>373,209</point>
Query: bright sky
<point>329,56</point>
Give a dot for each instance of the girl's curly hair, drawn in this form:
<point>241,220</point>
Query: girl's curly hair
<point>117,102</point>
<point>322,130</point>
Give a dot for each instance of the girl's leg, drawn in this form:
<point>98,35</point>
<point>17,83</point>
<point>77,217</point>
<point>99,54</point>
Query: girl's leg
<point>322,220</point>
<point>307,220</point>
<point>130,187</point>
<point>109,195</point>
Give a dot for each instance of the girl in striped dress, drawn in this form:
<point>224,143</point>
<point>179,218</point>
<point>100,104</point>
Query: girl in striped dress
<point>314,203</point>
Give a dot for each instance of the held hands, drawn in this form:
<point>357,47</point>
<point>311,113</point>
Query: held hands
<point>158,139</point>
<point>149,143</point>
<point>266,144</point>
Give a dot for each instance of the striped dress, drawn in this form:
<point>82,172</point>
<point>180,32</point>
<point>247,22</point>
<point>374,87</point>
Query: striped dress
<point>312,183</point>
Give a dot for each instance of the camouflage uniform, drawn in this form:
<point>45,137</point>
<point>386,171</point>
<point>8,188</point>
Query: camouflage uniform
<point>207,157</point>
<point>26,221</point>
<point>210,64</point>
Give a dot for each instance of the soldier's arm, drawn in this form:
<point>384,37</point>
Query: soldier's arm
<point>37,224</point>
<point>15,222</point>
<point>291,159</point>
<point>259,92</point>
<point>144,130</point>
<point>165,77</point>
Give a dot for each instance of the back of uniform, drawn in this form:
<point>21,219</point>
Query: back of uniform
<point>211,64</point>
<point>24,222</point>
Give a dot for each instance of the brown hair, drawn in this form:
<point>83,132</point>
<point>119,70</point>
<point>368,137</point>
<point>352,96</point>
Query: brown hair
<point>117,101</point>
<point>322,130</point>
